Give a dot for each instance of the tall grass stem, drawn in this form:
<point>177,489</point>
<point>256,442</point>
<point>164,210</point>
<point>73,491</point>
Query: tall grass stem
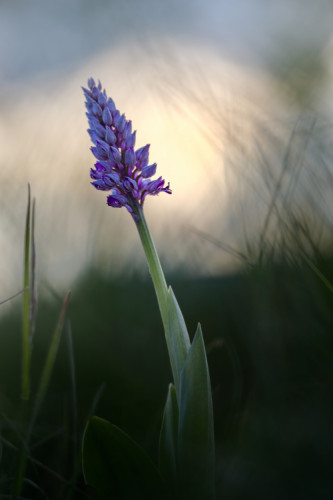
<point>26,346</point>
<point>44,382</point>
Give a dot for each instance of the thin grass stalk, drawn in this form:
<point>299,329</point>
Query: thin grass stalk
<point>73,387</point>
<point>44,382</point>
<point>49,364</point>
<point>76,452</point>
<point>276,193</point>
<point>318,273</point>
<point>11,297</point>
<point>33,291</point>
<point>26,346</point>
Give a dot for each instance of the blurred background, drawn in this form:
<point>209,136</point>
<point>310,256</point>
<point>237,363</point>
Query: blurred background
<point>236,100</point>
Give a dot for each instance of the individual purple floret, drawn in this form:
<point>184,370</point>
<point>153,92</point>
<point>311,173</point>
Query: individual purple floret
<point>119,168</point>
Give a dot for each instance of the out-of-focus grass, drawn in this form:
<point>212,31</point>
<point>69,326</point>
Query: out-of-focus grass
<point>270,350</point>
<point>219,132</point>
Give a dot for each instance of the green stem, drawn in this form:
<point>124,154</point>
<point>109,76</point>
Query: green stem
<point>176,335</point>
<point>154,265</point>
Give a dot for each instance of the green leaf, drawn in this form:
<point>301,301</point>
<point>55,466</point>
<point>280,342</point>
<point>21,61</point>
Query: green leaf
<point>168,438</point>
<point>116,465</point>
<point>196,425</point>
<point>177,338</point>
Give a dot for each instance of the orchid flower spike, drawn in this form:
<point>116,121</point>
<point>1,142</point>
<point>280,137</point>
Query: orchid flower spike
<point>119,168</point>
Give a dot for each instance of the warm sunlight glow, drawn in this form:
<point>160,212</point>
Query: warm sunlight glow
<point>204,118</point>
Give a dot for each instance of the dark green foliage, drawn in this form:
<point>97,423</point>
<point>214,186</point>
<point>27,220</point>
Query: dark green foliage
<point>168,442</point>
<point>116,465</point>
<point>269,340</point>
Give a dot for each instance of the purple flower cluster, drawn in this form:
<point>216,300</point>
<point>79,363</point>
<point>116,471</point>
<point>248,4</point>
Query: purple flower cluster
<point>119,168</point>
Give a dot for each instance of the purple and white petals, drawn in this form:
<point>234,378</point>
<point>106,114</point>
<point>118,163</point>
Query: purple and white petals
<point>119,169</point>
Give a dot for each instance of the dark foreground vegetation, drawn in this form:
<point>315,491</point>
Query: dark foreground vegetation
<point>269,339</point>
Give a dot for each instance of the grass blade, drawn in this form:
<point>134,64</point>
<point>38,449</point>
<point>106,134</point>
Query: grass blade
<point>49,363</point>
<point>319,274</point>
<point>26,351</point>
<point>44,381</point>
<point>33,291</point>
<point>11,297</point>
